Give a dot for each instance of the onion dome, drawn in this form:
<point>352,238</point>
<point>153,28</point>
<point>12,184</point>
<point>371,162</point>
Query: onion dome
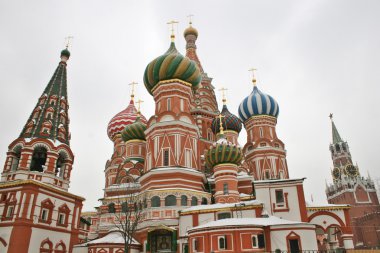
<point>171,65</point>
<point>223,151</point>
<point>65,52</point>
<point>229,121</point>
<point>134,131</point>
<point>258,103</point>
<point>122,119</point>
<point>190,31</point>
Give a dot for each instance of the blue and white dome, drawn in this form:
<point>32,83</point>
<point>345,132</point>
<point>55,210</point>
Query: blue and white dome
<point>258,103</point>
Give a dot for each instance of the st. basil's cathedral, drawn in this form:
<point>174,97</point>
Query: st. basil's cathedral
<point>197,188</point>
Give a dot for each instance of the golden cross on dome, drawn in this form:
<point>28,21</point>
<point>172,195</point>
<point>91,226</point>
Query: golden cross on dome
<point>223,90</point>
<point>133,84</point>
<point>68,40</point>
<point>139,104</point>
<point>190,16</point>
<point>172,23</point>
<point>253,70</point>
<point>220,116</point>
<point>331,116</point>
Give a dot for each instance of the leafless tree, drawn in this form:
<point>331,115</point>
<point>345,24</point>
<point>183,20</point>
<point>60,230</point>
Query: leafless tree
<point>129,215</point>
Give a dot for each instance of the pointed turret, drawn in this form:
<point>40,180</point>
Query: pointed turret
<point>335,134</point>
<point>49,119</point>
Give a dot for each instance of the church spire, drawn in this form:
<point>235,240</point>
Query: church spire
<point>191,35</point>
<point>335,134</point>
<point>49,119</point>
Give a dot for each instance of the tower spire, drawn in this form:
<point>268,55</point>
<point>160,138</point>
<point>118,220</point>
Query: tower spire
<point>172,23</point>
<point>335,134</point>
<point>253,70</point>
<point>223,91</point>
<point>133,84</point>
<point>49,119</point>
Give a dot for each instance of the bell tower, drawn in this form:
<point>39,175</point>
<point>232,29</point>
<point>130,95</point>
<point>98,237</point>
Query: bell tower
<point>42,151</point>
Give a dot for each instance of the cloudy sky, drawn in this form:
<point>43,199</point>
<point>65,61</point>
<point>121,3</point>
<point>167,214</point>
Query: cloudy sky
<point>313,57</point>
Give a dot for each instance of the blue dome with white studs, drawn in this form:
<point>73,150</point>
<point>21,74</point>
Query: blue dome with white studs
<point>258,103</point>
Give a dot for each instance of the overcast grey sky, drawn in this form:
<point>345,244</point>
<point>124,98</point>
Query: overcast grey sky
<point>313,57</point>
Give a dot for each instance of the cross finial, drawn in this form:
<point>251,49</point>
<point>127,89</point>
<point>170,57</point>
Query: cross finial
<point>253,70</point>
<point>223,90</point>
<point>172,23</point>
<point>133,90</point>
<point>331,116</point>
<point>139,105</point>
<point>68,40</point>
<point>190,16</point>
<point>220,116</point>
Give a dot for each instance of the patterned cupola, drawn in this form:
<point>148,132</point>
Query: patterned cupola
<point>223,151</point>
<point>258,103</point>
<point>123,119</point>
<point>230,122</point>
<point>134,131</point>
<point>170,66</point>
<point>49,119</point>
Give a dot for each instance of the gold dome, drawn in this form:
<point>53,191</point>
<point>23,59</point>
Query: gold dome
<point>190,30</point>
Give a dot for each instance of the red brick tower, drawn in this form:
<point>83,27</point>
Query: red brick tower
<point>350,187</point>
<point>204,106</point>
<point>37,212</point>
<point>265,153</point>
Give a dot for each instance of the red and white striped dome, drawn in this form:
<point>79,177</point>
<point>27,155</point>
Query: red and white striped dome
<point>122,119</point>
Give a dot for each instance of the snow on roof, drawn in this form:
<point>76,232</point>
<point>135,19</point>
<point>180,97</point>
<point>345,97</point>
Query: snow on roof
<point>112,237</point>
<point>174,168</point>
<point>321,205</point>
<point>270,221</point>
<point>220,205</point>
<point>124,185</point>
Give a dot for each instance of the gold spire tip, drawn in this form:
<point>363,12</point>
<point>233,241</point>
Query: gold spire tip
<point>331,116</point>
<point>223,90</point>
<point>139,105</point>
<point>172,23</point>
<point>253,70</point>
<point>68,41</point>
<point>133,84</point>
<point>221,130</point>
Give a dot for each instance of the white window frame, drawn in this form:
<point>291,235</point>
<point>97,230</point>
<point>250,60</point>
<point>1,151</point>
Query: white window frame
<point>10,210</point>
<point>45,214</point>
<point>224,242</point>
<point>61,218</point>
<point>168,104</point>
<point>257,242</point>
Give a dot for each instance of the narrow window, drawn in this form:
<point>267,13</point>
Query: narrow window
<point>261,241</point>
<point>194,201</point>
<point>155,201</point>
<point>225,188</point>
<point>196,244</point>
<point>183,200</point>
<point>267,174</point>
<point>44,214</point>
<point>10,210</point>
<point>254,241</point>
<point>61,218</point>
<point>166,157</point>
<point>168,104</point>
<point>222,242</point>
<point>281,174</point>
<point>204,201</point>
<point>261,132</point>
<point>279,196</point>
<point>170,200</point>
<point>111,208</point>
<point>271,132</point>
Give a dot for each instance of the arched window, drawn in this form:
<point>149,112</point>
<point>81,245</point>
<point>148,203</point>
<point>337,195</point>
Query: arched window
<point>204,201</point>
<point>16,158</point>
<point>222,242</point>
<point>194,201</point>
<point>38,159</point>
<point>170,200</point>
<point>111,208</point>
<point>60,248</point>
<point>155,201</point>
<point>124,207</point>
<point>60,166</point>
<point>46,246</point>
<point>337,147</point>
<point>183,200</point>
<point>344,147</point>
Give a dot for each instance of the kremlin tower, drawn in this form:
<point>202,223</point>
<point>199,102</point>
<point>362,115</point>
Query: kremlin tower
<point>38,212</point>
<point>350,187</point>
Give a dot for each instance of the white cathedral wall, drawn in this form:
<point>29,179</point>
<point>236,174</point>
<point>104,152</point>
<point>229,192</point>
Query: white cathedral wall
<point>38,235</point>
<point>308,239</point>
<point>267,195</point>
<point>57,203</point>
<point>327,220</point>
